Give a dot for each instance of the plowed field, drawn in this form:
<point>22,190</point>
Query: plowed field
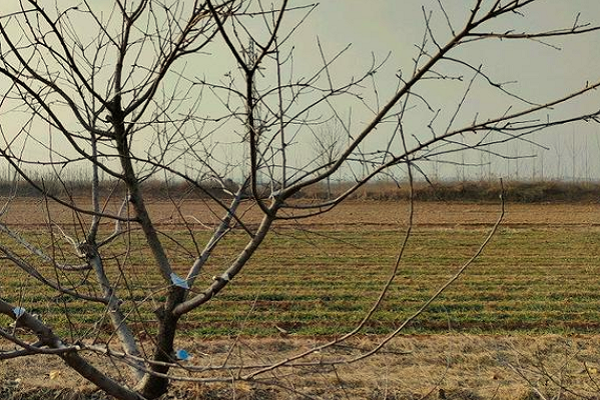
<point>361,214</point>
<point>317,276</point>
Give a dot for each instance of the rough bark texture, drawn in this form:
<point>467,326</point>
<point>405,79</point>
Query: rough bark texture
<point>152,386</point>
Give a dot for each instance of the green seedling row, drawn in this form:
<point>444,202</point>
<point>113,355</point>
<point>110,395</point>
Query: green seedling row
<point>531,280</point>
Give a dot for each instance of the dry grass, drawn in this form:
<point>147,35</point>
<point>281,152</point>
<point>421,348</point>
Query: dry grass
<point>412,367</point>
<point>474,191</point>
<point>529,191</point>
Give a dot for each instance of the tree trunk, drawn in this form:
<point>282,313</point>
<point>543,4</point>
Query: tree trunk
<point>153,386</point>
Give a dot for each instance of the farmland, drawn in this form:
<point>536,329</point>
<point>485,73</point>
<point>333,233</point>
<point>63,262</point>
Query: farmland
<point>319,276</point>
<point>530,300</point>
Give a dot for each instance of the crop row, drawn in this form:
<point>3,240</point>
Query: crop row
<point>542,280</point>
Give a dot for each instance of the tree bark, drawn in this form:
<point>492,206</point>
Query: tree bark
<point>153,386</point>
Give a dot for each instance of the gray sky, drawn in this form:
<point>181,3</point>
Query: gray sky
<point>377,28</point>
<point>541,71</point>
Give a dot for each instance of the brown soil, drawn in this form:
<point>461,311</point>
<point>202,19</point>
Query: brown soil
<point>361,214</point>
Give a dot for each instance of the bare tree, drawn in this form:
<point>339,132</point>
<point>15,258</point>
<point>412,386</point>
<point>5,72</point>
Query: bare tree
<point>197,92</point>
<point>329,142</point>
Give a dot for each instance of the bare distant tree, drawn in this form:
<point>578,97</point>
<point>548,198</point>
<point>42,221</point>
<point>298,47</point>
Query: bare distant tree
<point>201,91</point>
<point>329,141</point>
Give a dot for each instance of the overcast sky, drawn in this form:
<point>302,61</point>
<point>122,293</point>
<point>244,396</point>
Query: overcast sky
<point>378,29</point>
<point>542,71</point>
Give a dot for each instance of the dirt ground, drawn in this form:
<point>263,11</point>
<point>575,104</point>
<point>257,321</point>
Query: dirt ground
<point>362,214</point>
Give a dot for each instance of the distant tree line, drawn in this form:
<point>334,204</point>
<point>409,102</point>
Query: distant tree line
<point>471,191</point>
